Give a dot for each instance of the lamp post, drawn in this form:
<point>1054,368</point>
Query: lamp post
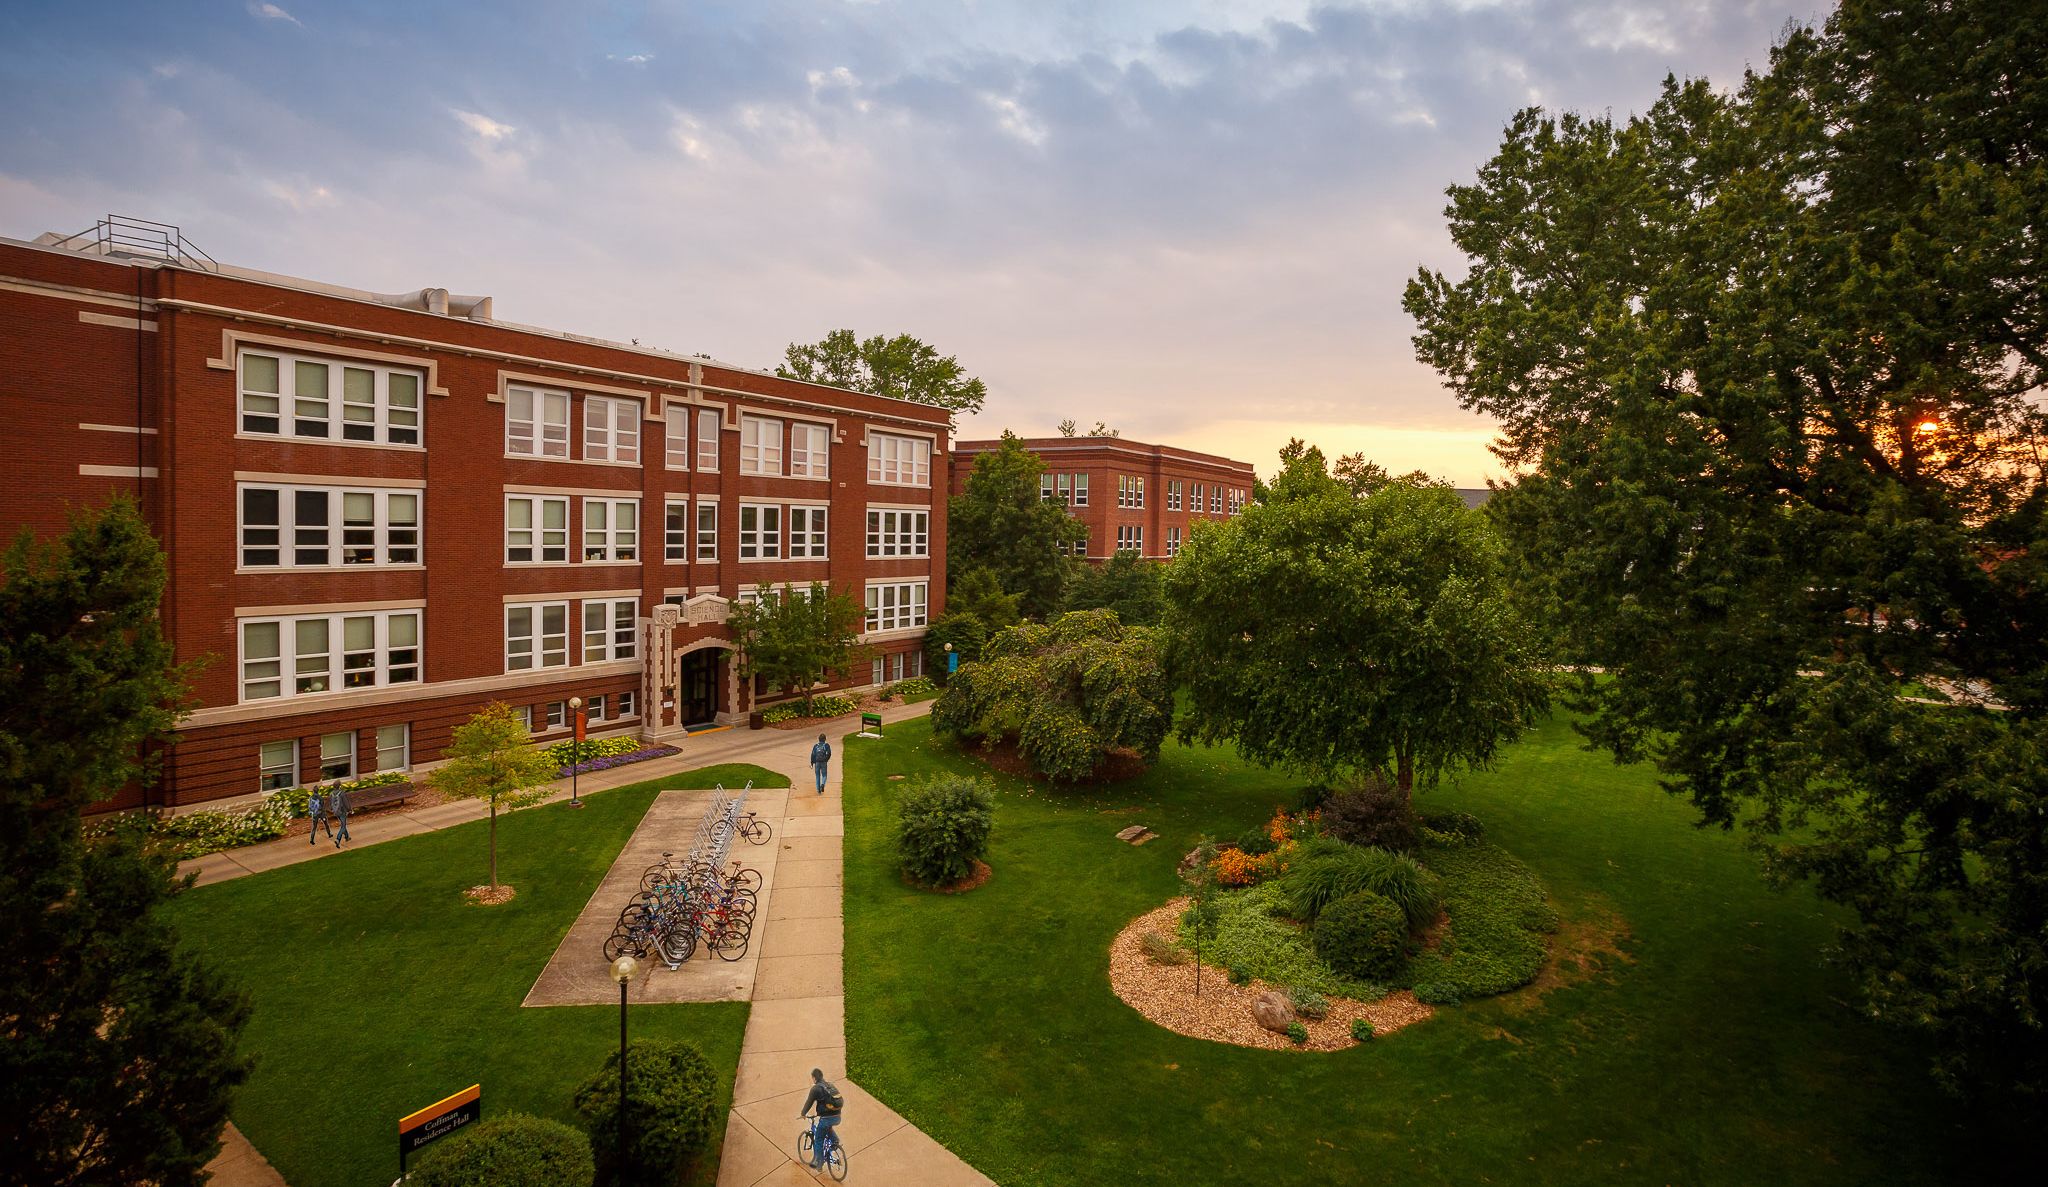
<point>576,751</point>
<point>623,971</point>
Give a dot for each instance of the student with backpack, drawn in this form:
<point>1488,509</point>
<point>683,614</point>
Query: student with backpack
<point>826,1099</point>
<point>821,758</point>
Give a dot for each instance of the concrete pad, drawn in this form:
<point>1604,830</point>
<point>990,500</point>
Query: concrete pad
<point>875,1119</point>
<point>768,1074</point>
<point>802,902</point>
<point>239,1165</point>
<point>814,826</point>
<point>804,937</point>
<point>747,1156</point>
<point>810,848</point>
<point>798,976</point>
<point>813,804</point>
<point>794,1024</point>
<point>907,1155</point>
<point>807,873</point>
<point>789,1174</point>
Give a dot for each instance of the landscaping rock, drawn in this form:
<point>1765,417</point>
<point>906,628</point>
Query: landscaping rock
<point>1273,1011</point>
<point>1137,834</point>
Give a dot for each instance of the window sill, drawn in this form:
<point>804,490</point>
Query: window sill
<point>246,571</point>
<point>287,439</point>
<point>571,461</point>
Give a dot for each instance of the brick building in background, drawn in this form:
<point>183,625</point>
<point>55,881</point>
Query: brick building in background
<point>383,512</point>
<point>1131,495</point>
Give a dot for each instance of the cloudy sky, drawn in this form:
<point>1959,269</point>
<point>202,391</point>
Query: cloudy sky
<point>1190,219</point>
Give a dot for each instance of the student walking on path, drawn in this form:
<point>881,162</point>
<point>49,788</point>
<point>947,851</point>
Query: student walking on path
<point>821,760</point>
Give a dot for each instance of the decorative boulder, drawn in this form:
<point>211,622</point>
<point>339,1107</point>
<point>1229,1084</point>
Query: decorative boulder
<point>1273,1011</point>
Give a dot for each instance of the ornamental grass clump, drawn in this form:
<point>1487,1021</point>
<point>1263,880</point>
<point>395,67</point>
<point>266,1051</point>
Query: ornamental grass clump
<point>1324,871</point>
<point>943,828</point>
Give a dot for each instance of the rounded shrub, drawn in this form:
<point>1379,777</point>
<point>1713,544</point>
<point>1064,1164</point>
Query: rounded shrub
<point>1361,1030</point>
<point>1256,842</point>
<point>1371,812</point>
<point>1297,1032</point>
<point>515,1150</point>
<point>1362,935</point>
<point>671,1087</point>
<point>943,827</point>
<point>1308,1003</point>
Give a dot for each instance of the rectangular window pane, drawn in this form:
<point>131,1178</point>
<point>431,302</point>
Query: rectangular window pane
<point>310,530</point>
<point>394,747</point>
<point>262,661</point>
<point>279,765</point>
<point>309,399</point>
<point>337,756</point>
<point>676,438</point>
<point>402,539</point>
<point>707,531</point>
<point>358,528</point>
<point>262,530</point>
<point>312,660</point>
<point>402,396</point>
<point>707,439</point>
<point>358,404</point>
<point>675,532</point>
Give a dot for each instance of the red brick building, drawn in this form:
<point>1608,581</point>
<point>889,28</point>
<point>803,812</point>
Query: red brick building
<point>1130,495</point>
<point>382,512</point>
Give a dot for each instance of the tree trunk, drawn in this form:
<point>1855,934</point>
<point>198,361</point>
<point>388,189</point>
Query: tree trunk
<point>494,843</point>
<point>1404,773</point>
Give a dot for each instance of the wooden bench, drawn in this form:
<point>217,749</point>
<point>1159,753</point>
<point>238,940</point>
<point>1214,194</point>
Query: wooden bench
<point>377,797</point>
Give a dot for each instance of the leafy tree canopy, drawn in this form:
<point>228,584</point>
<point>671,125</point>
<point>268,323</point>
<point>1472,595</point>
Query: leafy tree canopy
<point>1125,583</point>
<point>901,367</point>
<point>1067,693</point>
<point>1780,433</point>
<point>976,608</point>
<point>999,524</point>
<point>798,639</point>
<point>117,1049</point>
<point>1338,635</point>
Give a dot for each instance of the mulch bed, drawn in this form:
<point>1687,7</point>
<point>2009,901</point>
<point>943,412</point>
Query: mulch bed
<point>1115,767</point>
<point>867,702</point>
<point>484,896</point>
<point>1165,995</point>
<point>975,880</point>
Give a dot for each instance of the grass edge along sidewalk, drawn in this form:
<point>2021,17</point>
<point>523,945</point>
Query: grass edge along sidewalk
<point>1709,1043</point>
<point>376,987</point>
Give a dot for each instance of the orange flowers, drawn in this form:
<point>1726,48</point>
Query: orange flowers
<point>1235,867</point>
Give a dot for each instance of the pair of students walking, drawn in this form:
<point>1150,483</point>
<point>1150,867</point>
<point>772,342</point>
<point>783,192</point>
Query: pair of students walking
<point>327,811</point>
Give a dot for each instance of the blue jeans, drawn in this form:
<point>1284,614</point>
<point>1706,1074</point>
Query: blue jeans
<point>825,1124</point>
<point>819,770</point>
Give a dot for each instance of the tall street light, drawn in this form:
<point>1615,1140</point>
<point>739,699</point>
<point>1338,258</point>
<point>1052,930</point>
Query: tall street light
<point>623,971</point>
<point>576,751</point>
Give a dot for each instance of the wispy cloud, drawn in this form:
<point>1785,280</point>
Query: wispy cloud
<point>484,126</point>
<point>271,12</point>
<point>630,59</point>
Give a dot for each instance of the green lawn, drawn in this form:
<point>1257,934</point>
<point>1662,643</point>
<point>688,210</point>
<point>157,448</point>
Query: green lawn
<point>378,990</point>
<point>1714,1048</point>
<point>730,775</point>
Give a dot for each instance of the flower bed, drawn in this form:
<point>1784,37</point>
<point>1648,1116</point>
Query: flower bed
<point>196,834</point>
<point>606,762</point>
<point>821,707</point>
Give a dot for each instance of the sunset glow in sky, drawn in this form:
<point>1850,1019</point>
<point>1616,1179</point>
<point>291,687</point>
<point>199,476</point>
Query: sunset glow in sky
<point>1191,220</point>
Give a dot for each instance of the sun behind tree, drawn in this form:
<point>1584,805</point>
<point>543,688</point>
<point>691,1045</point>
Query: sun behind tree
<point>493,758</point>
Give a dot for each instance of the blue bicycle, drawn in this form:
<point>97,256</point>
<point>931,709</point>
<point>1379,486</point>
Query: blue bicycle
<point>834,1155</point>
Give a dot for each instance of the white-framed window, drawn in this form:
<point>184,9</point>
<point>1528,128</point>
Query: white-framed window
<point>611,429</point>
<point>810,451</point>
<point>875,674</point>
<point>1045,487</point>
<point>628,705</point>
<point>899,461</point>
<point>1195,502</point>
<point>894,533</point>
<point>394,747</point>
<point>675,531</point>
<point>896,605</point>
<point>760,445</point>
<point>610,630</point>
<point>597,707</point>
<point>1215,499</point>
<point>611,529</point>
<point>675,454</point>
<point>760,531</point>
<point>329,399</point>
<point>1080,490</point>
<point>1070,489</point>
<point>319,527</point>
<point>523,714</point>
<point>277,765</point>
<point>536,636</point>
<point>807,533</point>
<point>1123,491</point>
<point>536,421</point>
<point>1237,502</point>
<point>1173,494</point>
<point>1076,547</point>
<point>1173,541</point>
<point>536,529</point>
<point>557,714</point>
<point>338,755</point>
<point>1130,537</point>
<point>707,439</point>
<point>707,531</point>
<point>316,653</point>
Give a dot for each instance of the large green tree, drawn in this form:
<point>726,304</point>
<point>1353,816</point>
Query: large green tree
<point>1126,583</point>
<point>117,1049</point>
<point>999,523</point>
<point>902,367</point>
<point>797,638</point>
<point>1340,635</point>
<point>1771,363</point>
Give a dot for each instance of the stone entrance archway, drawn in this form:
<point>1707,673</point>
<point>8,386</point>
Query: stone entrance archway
<point>664,688</point>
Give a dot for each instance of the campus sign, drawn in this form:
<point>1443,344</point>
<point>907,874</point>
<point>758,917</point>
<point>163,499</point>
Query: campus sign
<point>438,1120</point>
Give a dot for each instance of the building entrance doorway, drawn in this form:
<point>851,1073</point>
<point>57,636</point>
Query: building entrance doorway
<point>700,687</point>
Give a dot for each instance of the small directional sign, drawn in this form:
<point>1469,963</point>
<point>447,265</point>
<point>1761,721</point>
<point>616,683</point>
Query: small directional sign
<point>438,1120</point>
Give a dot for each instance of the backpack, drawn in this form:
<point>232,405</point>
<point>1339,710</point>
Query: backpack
<point>834,1102</point>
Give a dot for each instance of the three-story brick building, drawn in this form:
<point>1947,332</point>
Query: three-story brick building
<point>382,512</point>
<point>1132,496</point>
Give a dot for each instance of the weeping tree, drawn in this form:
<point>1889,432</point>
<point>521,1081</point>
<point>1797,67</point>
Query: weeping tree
<point>1067,693</point>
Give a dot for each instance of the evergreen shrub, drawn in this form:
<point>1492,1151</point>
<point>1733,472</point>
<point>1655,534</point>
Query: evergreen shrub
<point>515,1150</point>
<point>672,1087</point>
<point>943,827</point>
<point>1362,935</point>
